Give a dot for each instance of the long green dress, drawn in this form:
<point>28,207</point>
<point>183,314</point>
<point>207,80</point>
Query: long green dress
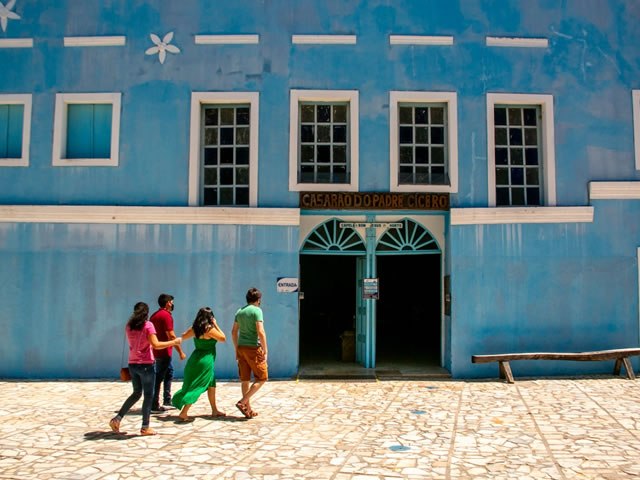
<point>199,373</point>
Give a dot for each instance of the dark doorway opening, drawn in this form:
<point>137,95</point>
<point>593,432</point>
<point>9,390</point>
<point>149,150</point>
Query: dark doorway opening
<point>408,317</point>
<point>327,310</point>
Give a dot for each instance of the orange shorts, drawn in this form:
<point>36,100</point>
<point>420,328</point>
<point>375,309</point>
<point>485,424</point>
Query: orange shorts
<point>251,359</point>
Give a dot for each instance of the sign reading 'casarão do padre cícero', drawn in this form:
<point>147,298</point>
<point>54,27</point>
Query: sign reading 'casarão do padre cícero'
<point>374,201</point>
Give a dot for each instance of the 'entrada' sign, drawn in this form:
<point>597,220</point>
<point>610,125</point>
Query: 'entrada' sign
<point>374,201</point>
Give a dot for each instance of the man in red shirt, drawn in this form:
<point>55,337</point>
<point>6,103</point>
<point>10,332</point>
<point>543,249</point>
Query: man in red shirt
<point>163,321</point>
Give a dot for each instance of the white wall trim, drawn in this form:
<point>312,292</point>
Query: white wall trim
<point>16,42</point>
<point>487,216</point>
<point>450,99</point>
<point>198,99</point>
<point>25,100</point>
<point>517,42</point>
<point>298,96</point>
<point>60,129</point>
<point>614,190</point>
<point>96,41</point>
<point>149,215</point>
<point>548,141</point>
<point>226,39</point>
<point>635,97</point>
<point>324,39</point>
<point>420,40</point>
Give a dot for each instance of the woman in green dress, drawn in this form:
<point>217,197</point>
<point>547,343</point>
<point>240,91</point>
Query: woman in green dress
<point>199,373</point>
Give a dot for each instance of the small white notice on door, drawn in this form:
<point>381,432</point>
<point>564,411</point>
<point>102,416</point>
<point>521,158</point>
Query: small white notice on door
<point>287,285</point>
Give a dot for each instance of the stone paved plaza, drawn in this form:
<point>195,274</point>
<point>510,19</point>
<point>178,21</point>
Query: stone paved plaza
<point>339,430</point>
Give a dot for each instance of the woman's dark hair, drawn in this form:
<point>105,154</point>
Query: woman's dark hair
<point>203,321</point>
<point>253,295</point>
<point>139,316</point>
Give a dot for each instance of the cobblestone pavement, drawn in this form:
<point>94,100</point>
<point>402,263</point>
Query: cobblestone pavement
<point>547,428</point>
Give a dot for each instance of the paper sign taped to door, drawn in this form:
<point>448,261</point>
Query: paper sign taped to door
<point>287,285</point>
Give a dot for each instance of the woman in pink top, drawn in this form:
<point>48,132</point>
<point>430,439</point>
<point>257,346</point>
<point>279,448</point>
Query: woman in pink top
<point>142,340</point>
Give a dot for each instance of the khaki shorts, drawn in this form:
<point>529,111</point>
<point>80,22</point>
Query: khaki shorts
<point>251,360</point>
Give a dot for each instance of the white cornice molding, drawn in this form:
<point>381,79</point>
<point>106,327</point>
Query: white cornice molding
<point>16,42</point>
<point>149,215</point>
<point>497,215</point>
<point>614,190</point>
<point>517,42</point>
<point>420,40</point>
<point>226,39</point>
<point>96,41</point>
<point>324,39</point>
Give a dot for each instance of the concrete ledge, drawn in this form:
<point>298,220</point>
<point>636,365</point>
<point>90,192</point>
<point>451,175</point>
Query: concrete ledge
<point>149,215</point>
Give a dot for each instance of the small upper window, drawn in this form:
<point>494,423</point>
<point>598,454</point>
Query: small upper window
<point>15,127</point>
<point>86,129</point>
<point>323,140</point>
<point>423,142</point>
<point>521,150</point>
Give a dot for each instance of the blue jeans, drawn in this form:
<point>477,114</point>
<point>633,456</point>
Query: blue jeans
<point>143,377</point>
<point>164,375</point>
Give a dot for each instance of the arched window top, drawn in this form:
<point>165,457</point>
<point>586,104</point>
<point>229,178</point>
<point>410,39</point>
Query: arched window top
<point>411,238</point>
<point>329,237</point>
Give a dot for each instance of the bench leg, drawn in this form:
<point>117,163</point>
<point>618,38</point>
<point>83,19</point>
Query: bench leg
<point>629,368</point>
<point>505,372</point>
<point>616,367</point>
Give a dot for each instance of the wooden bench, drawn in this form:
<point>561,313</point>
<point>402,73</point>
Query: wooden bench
<point>621,356</point>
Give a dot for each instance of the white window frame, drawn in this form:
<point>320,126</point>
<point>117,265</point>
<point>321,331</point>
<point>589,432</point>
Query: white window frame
<point>635,97</point>
<point>548,165</point>
<point>63,100</point>
<point>198,100</point>
<point>451,101</point>
<point>350,96</point>
<point>25,100</point>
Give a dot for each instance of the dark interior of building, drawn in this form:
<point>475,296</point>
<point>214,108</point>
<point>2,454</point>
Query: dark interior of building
<point>408,310</point>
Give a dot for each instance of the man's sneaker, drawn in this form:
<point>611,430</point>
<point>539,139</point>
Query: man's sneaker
<point>158,409</point>
<point>168,406</point>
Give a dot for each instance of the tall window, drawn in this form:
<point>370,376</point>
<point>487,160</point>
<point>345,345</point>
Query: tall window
<point>86,129</point>
<point>423,141</point>
<point>323,140</point>
<point>518,155</point>
<point>15,127</point>
<point>223,161</point>
<point>521,150</point>
<point>225,178</point>
<point>323,143</point>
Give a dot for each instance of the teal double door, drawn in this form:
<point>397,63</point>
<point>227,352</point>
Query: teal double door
<point>391,264</point>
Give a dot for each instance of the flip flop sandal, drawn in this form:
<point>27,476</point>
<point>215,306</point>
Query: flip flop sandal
<point>147,431</point>
<point>244,410</point>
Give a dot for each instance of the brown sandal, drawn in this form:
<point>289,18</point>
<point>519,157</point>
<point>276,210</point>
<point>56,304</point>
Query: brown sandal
<point>147,431</point>
<point>114,423</point>
<point>244,410</point>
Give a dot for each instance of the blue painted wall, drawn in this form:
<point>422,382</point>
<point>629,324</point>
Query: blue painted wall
<point>552,287</point>
<point>590,66</point>
<point>68,290</point>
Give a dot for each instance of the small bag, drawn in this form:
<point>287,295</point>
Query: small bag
<point>125,374</point>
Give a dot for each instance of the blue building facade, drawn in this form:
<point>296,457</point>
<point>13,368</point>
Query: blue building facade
<point>444,178</point>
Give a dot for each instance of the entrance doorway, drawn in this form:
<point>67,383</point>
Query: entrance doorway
<point>408,317</point>
<point>328,308</point>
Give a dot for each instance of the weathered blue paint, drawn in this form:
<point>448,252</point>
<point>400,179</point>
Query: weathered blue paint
<point>66,289</point>
<point>551,287</point>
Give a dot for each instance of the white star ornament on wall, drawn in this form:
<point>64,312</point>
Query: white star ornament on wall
<point>162,46</point>
<point>6,14</point>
